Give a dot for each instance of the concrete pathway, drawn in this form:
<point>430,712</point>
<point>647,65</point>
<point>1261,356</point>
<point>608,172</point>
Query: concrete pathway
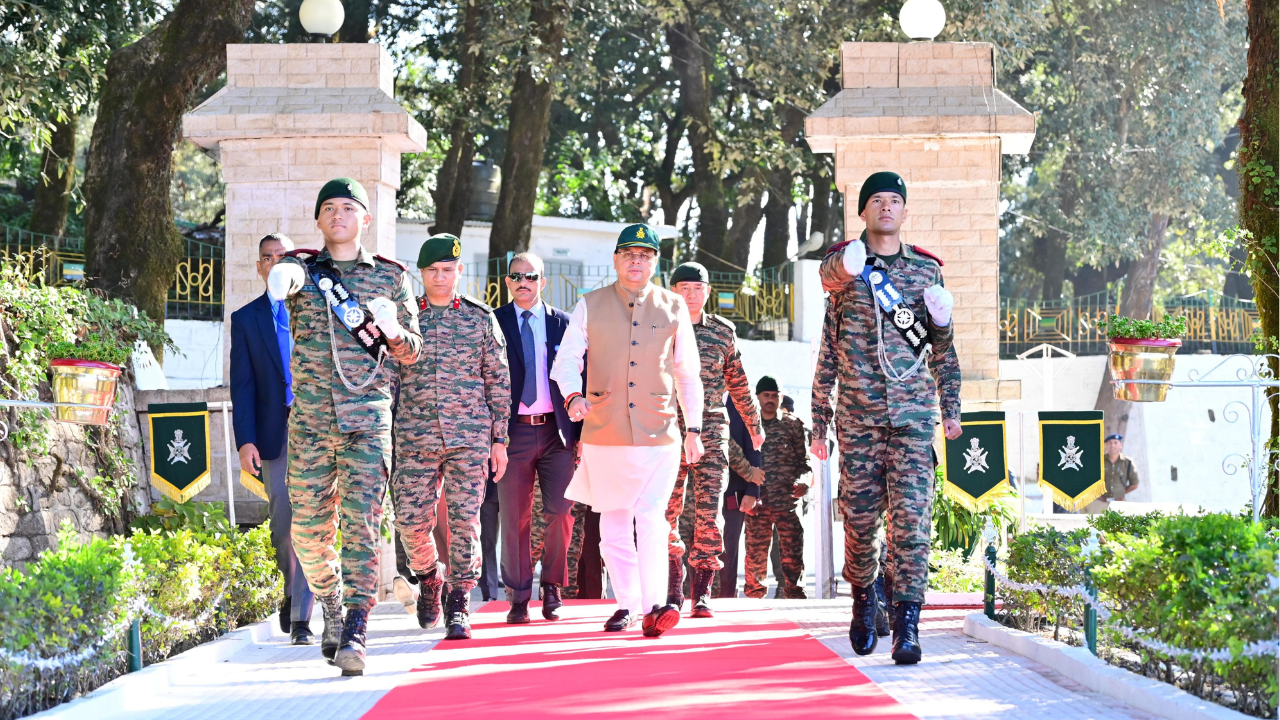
<point>258,675</point>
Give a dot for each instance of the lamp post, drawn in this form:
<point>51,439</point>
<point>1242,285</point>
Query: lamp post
<point>321,18</point>
<point>922,19</point>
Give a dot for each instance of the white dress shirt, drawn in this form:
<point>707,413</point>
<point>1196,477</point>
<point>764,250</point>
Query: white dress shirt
<point>538,323</point>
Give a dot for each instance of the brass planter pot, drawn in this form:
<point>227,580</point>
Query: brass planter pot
<point>84,382</point>
<point>1142,360</point>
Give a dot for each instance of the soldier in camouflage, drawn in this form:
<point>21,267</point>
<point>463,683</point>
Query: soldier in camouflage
<point>340,425</point>
<point>451,429</point>
<point>721,372</point>
<point>891,380</point>
<point>538,534</point>
<point>785,461</point>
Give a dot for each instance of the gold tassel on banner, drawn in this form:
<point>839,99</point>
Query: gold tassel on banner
<point>970,503</point>
<point>253,484</point>
<point>1081,501</point>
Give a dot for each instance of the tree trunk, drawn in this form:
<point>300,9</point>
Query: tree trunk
<point>453,182</point>
<point>355,22</point>
<point>53,190</point>
<point>737,245</point>
<point>1137,302</point>
<point>528,117</point>
<point>688,62</point>
<point>131,244</point>
<point>1051,250</point>
<point>1259,148</point>
<point>821,212</point>
<point>777,212</point>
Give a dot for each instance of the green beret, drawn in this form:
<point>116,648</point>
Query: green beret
<point>767,384</point>
<point>690,271</point>
<point>341,188</point>
<point>439,247</point>
<point>638,235</point>
<point>883,181</point>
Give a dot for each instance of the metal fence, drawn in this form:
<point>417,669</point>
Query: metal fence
<point>196,293</point>
<point>1215,323</point>
<point>761,304</point>
<point>57,259</point>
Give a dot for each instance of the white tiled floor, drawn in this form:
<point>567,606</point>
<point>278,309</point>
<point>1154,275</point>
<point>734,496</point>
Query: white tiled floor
<point>960,677</point>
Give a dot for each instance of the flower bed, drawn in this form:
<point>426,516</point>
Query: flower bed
<point>66,615</point>
<point>1187,600</point>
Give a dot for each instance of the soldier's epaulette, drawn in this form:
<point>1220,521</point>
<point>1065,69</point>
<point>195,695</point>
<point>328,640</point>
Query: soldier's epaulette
<point>472,301</point>
<point>928,254</point>
<point>422,303</point>
<point>724,321</point>
<point>835,248</point>
<point>392,261</point>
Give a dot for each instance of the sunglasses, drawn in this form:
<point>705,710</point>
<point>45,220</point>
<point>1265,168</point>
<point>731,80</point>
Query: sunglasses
<point>517,277</point>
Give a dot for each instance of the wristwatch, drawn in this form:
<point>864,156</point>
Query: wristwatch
<point>694,430</point>
<point>503,440</point>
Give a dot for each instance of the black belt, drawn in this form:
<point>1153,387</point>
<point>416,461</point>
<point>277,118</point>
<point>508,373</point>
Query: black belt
<point>542,419</point>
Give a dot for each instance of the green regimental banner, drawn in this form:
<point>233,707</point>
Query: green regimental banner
<point>179,448</point>
<point>976,467</point>
<point>1071,457</point>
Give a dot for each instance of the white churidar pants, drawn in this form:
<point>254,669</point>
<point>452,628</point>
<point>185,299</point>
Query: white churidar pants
<point>633,540</point>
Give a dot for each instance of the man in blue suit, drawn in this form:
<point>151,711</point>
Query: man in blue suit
<point>740,497</point>
<point>543,443</point>
<point>261,394</point>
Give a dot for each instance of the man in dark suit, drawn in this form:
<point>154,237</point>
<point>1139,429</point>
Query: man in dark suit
<point>740,496</point>
<point>261,394</point>
<point>543,443</point>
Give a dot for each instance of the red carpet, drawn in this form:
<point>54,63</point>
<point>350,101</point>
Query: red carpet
<point>745,664</point>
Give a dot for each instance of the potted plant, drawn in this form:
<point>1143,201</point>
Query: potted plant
<point>85,373</point>
<point>1142,350</point>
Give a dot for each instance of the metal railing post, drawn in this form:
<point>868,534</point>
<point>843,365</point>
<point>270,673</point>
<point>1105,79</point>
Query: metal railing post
<point>989,585</point>
<point>824,572</point>
<point>134,646</point>
<point>1091,617</point>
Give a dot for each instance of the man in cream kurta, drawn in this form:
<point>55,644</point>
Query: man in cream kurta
<point>644,356</point>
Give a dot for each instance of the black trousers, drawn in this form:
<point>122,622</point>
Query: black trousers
<point>275,480</point>
<point>535,457</point>
<point>489,542</point>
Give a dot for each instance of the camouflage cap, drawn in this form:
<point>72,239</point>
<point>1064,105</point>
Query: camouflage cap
<point>883,181</point>
<point>342,187</point>
<point>690,271</point>
<point>638,235</point>
<point>439,247</point>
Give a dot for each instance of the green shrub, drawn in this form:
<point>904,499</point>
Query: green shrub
<point>1113,523</point>
<point>1198,583</point>
<point>199,517</point>
<point>957,527</point>
<point>1052,558</point>
<point>93,347</point>
<point>950,572</point>
<point>1118,326</point>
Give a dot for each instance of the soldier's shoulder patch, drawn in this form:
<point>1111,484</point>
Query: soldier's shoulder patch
<point>477,303</point>
<point>921,251</point>
<point>723,321</point>
<point>836,248</point>
<point>392,261</point>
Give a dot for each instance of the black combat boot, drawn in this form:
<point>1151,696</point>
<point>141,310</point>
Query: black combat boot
<point>286,609</point>
<point>906,633</point>
<point>350,656</point>
<point>331,638</point>
<point>457,615</point>
<point>882,606</point>
<point>675,580</point>
<point>551,602</point>
<point>300,634</point>
<point>862,631</point>
<point>428,605</point>
<point>519,612</point>
<point>702,593</point>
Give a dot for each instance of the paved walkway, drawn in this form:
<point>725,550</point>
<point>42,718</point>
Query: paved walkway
<point>960,678</point>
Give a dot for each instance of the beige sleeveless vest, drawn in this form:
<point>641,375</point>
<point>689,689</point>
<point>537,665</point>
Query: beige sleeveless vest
<point>630,364</point>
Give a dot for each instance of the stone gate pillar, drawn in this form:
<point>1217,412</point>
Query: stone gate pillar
<point>931,113</point>
<point>290,118</point>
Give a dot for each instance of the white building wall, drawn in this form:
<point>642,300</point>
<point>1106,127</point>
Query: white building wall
<point>198,364</point>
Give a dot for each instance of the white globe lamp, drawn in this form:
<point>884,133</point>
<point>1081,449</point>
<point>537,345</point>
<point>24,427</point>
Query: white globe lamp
<point>922,19</point>
<point>321,18</point>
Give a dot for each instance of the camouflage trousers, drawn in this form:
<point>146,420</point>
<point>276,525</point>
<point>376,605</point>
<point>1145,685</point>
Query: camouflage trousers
<point>415,489</point>
<point>887,470</point>
<point>760,529</point>
<point>703,482</point>
<point>336,482</point>
<point>539,532</point>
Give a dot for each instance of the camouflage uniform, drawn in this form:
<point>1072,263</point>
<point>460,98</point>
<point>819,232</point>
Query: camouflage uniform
<point>885,427</point>
<point>785,460</point>
<point>339,439</point>
<point>538,533</point>
<point>721,371</point>
<point>453,404</point>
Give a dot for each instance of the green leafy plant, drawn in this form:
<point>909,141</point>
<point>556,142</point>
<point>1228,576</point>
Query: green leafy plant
<point>1118,326</point>
<point>169,517</point>
<point>950,571</point>
<point>1050,557</point>
<point>958,527</point>
<point>1113,523</point>
<point>93,347</point>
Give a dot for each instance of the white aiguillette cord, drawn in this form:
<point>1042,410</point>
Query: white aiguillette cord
<point>337,362</point>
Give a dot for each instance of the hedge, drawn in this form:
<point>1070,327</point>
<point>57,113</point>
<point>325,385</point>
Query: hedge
<point>79,594</point>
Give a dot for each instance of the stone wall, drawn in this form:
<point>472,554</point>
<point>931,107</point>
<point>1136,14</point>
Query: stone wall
<point>37,494</point>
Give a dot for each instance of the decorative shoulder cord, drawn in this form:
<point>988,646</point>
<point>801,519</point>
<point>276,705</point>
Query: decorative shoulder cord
<point>886,366</point>
<point>337,362</point>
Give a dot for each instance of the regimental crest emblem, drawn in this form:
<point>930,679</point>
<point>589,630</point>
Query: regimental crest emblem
<point>325,284</point>
<point>975,458</point>
<point>640,233</point>
<point>457,248</point>
<point>179,449</point>
<point>1069,455</point>
<point>353,316</point>
<point>903,317</point>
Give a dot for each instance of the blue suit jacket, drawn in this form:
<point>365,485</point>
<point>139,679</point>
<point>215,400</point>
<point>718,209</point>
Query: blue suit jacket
<point>260,415</point>
<point>557,323</point>
<point>738,485</point>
